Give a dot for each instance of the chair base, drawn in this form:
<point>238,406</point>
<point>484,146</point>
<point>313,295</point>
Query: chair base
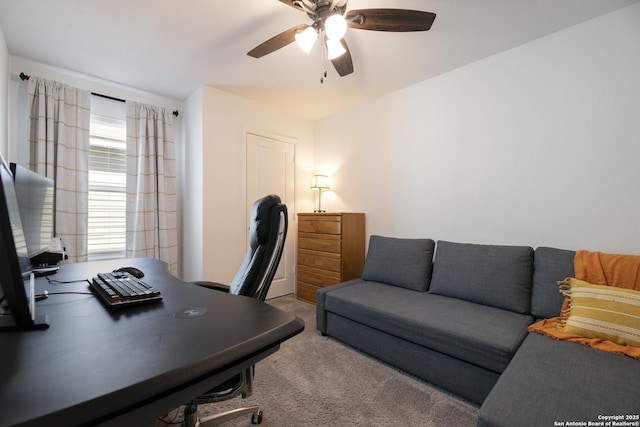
<point>191,416</point>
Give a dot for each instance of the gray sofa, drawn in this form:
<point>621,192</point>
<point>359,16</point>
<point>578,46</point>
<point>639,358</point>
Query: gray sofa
<point>458,320</point>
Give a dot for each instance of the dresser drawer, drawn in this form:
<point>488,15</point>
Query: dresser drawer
<point>320,244</point>
<point>317,276</point>
<point>323,260</point>
<point>335,217</point>
<point>323,227</point>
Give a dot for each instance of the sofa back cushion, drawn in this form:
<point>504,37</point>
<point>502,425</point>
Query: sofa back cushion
<point>497,276</point>
<point>400,262</point>
<point>551,265</point>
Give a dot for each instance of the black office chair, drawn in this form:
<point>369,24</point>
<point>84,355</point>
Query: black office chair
<point>267,233</point>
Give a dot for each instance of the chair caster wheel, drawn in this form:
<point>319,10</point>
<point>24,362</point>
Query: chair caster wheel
<point>256,418</point>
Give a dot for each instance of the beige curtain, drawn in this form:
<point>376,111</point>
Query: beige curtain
<point>151,185</point>
<point>59,149</point>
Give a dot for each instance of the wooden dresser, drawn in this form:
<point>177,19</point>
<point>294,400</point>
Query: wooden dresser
<point>330,251</point>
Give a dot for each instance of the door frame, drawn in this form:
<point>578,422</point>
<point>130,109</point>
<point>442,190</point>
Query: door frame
<point>292,209</point>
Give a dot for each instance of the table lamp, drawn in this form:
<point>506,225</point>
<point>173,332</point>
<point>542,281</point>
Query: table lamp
<point>321,182</point>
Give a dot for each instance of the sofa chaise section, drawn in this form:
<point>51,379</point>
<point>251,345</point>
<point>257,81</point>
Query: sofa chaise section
<point>550,382</point>
<point>553,382</point>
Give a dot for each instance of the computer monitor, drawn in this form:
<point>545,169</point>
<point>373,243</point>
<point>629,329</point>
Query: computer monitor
<point>35,202</point>
<point>15,267</point>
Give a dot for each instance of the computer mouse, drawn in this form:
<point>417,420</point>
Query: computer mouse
<point>132,271</point>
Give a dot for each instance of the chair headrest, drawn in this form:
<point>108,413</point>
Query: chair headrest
<point>260,216</point>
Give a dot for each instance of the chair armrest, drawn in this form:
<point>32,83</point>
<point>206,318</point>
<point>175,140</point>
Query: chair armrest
<point>212,285</point>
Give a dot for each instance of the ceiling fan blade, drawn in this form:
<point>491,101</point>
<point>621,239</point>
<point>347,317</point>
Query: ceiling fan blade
<point>293,4</point>
<point>343,63</point>
<point>276,42</point>
<point>398,20</point>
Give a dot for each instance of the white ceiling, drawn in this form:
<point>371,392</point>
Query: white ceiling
<point>169,47</point>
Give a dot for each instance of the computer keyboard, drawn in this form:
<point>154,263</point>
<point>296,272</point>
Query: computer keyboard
<point>121,289</point>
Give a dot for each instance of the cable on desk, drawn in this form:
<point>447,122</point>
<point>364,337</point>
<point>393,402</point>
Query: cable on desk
<point>46,294</point>
<point>65,282</point>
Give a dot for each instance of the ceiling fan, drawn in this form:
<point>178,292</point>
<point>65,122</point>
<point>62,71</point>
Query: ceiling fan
<point>330,22</point>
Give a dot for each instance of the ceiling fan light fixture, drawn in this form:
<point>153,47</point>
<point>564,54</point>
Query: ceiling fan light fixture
<point>306,39</point>
<point>334,49</point>
<point>335,26</point>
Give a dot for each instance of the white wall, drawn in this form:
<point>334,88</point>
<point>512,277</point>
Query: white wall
<point>192,188</point>
<point>4,96</point>
<point>226,118</point>
<point>539,145</point>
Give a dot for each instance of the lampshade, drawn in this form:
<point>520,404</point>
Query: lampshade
<point>321,182</point>
<point>306,38</point>
<point>335,27</point>
<point>334,49</point>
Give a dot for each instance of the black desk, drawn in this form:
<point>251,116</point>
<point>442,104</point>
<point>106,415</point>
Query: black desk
<point>93,366</point>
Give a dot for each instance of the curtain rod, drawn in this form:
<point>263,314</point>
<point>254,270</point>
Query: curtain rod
<point>23,77</point>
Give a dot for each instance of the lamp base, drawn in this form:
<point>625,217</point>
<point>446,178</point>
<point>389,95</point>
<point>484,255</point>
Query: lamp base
<point>318,211</point>
<point>319,201</point>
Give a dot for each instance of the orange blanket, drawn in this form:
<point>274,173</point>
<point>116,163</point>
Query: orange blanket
<point>598,268</point>
<point>601,269</point>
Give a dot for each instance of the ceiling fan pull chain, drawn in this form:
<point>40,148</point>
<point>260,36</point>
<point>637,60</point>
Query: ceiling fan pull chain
<point>323,59</point>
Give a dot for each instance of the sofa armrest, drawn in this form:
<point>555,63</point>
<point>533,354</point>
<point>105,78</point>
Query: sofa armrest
<point>321,294</point>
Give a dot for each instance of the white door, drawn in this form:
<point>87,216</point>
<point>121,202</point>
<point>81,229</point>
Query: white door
<point>271,170</point>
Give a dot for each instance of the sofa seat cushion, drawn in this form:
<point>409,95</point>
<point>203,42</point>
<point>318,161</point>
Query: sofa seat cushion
<point>557,381</point>
<point>478,334</point>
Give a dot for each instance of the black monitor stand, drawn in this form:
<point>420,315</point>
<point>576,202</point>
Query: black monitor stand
<point>8,324</point>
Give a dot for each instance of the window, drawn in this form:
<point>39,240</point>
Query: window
<point>107,187</point>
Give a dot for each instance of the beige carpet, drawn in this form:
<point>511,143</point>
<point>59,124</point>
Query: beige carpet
<point>317,381</point>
